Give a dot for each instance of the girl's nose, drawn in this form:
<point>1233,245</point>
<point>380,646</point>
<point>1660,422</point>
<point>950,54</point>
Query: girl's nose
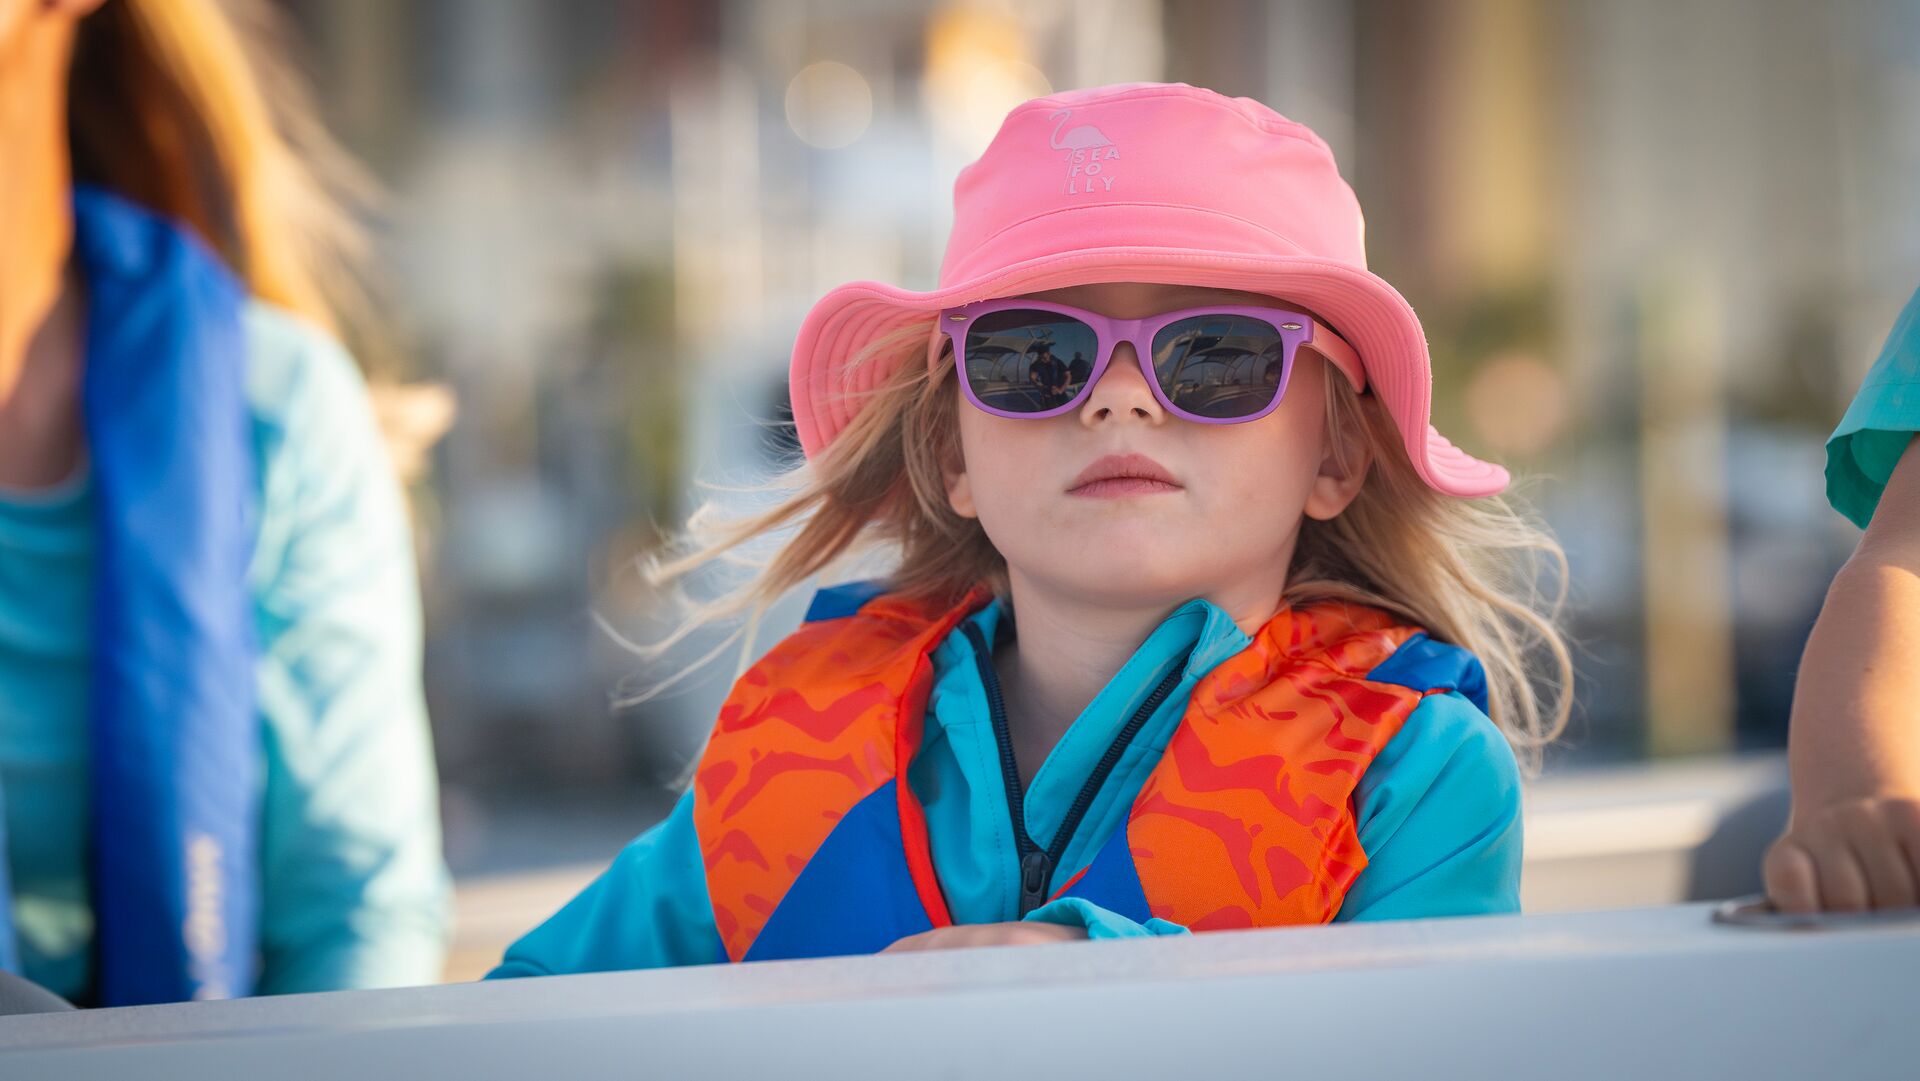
<point>1122,391</point>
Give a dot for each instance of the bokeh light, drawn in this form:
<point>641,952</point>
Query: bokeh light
<point>978,69</point>
<point>829,105</point>
<point>1517,403</point>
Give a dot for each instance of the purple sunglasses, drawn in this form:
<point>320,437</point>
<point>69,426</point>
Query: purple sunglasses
<point>1030,359</point>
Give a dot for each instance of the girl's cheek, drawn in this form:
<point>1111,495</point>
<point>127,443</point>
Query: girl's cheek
<point>996,475</point>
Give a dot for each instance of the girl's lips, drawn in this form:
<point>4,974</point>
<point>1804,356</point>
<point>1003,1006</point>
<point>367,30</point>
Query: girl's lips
<point>1115,475</point>
<point>1121,487</point>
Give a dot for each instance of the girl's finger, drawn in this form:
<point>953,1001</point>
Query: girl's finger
<point>1793,881</point>
<point>909,944</point>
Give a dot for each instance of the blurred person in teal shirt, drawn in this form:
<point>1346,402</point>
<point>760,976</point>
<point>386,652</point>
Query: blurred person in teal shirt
<point>215,765</point>
<point>1853,841</point>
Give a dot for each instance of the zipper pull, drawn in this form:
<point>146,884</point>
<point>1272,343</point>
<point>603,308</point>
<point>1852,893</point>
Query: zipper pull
<point>1036,869</point>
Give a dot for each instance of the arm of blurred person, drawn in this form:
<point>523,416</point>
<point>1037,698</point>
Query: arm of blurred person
<point>355,891</point>
<point>650,909</point>
<point>1854,743</point>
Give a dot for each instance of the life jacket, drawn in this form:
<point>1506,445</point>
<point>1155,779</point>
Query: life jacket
<point>814,844</point>
<point>175,736</point>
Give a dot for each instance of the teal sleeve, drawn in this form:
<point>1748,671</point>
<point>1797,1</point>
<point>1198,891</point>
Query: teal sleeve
<point>1099,922</point>
<point>355,891</point>
<point>1439,819</point>
<point>650,909</point>
<point>1879,424</point>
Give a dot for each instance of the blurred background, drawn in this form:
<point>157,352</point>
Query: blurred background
<point>1655,245</point>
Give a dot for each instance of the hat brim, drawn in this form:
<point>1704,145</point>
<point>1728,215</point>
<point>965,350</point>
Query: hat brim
<point>1369,313</point>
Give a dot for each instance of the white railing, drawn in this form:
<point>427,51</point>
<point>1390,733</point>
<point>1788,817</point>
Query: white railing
<point>1637,993</point>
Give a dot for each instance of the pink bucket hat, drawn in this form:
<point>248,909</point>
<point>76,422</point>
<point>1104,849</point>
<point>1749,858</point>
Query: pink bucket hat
<point>1148,182</point>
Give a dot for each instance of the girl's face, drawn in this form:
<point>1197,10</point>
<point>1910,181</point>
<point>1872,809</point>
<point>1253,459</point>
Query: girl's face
<point>1223,528</point>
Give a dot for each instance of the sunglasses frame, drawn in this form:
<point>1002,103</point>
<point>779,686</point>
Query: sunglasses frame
<point>1296,328</point>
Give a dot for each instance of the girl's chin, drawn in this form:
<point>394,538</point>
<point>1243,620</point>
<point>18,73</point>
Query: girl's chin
<point>1126,583</point>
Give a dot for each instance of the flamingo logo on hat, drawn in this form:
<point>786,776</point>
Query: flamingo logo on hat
<point>1090,148</point>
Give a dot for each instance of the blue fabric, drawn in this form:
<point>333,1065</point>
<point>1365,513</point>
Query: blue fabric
<point>1882,420</point>
<point>350,884</point>
<point>1099,922</point>
<point>1113,881</point>
<point>956,772</point>
<point>1426,665</point>
<point>356,892</point>
<point>649,909</point>
<point>1438,811</point>
<point>1438,814</point>
<point>842,600</point>
<point>174,770</point>
<point>9,942</point>
<point>854,896</point>
<point>46,575</point>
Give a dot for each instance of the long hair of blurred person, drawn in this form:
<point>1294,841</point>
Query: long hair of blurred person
<point>211,721</point>
<point>189,108</point>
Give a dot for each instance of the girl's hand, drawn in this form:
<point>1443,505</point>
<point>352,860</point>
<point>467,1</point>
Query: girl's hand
<point>987,934</point>
<point>1848,856</point>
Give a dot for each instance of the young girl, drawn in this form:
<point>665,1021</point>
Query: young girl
<point>1220,635</point>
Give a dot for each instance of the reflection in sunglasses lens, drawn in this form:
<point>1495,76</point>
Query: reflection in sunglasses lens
<point>1220,366</point>
<point>1028,361</point>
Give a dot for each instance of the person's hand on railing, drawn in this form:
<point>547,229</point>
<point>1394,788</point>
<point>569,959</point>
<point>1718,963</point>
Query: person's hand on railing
<point>1848,856</point>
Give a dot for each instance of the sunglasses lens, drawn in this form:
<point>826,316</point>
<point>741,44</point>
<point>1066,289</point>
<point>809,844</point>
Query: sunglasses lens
<point>1024,360</point>
<point>1222,367</point>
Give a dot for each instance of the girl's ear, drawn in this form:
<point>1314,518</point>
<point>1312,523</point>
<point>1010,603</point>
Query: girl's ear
<point>959,487</point>
<point>1345,458</point>
<point>953,467</point>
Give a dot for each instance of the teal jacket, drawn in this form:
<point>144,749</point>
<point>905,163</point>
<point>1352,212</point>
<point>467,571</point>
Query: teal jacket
<point>1438,815</point>
<point>353,890</point>
<point>1879,424</point>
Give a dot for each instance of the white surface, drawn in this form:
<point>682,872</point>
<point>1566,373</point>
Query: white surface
<point>1636,993</point>
<point>1627,810</point>
<point>1636,835</point>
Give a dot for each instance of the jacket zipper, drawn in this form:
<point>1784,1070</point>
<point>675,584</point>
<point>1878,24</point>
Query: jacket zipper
<point>1038,864</point>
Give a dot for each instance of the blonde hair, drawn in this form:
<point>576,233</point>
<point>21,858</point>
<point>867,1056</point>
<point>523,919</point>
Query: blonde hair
<point>187,108</point>
<point>1465,570</point>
